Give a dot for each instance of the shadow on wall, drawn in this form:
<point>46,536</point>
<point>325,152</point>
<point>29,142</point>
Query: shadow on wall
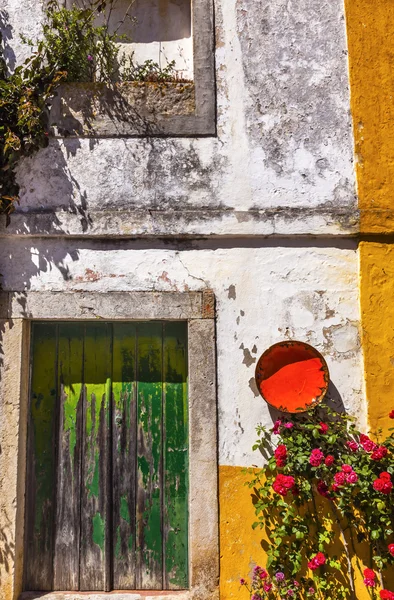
<point>149,21</point>
<point>6,34</point>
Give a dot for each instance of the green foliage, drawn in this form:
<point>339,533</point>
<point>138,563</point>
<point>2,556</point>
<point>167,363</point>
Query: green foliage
<point>325,492</point>
<point>148,71</point>
<point>74,42</point>
<point>23,98</point>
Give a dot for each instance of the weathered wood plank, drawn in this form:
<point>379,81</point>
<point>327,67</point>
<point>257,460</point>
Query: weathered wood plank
<point>41,462</point>
<point>70,377</point>
<point>124,445</point>
<point>176,480</point>
<point>149,457</point>
<point>95,489</point>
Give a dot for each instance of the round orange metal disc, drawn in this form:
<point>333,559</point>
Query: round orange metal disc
<point>292,376</point>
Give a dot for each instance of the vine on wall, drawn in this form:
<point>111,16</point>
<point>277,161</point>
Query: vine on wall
<point>325,502</point>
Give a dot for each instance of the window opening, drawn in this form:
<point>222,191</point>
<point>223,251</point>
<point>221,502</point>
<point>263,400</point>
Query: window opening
<point>107,481</point>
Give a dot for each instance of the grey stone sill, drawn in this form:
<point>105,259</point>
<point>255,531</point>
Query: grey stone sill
<point>128,109</point>
<point>183,223</point>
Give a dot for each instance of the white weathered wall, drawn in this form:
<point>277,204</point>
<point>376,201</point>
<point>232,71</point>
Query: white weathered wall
<point>264,294</point>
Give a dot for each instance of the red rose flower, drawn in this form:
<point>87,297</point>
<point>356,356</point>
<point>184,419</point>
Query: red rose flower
<point>379,453</point>
<point>320,558</point>
<point>280,455</point>
<point>347,468</point>
<point>353,446</point>
<point>316,458</point>
<point>323,428</point>
<point>369,574</point>
<point>281,451</point>
<point>340,478</point>
<point>386,595</point>
<point>378,485</point>
<point>367,443</point>
<point>317,561</point>
<point>383,484</point>
<point>283,484</point>
<point>391,549</point>
<point>322,488</point>
<point>329,460</point>
<point>391,415</point>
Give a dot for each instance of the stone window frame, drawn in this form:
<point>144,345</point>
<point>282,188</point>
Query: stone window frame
<point>17,311</point>
<point>138,109</point>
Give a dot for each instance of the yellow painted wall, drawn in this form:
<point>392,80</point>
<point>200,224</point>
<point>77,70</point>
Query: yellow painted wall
<point>377,317</point>
<point>370,30</point>
<point>240,545</point>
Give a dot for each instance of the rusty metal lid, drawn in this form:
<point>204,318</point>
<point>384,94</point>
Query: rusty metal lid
<point>292,376</point>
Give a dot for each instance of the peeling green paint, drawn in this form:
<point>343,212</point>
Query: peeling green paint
<point>124,509</point>
<point>99,531</point>
<point>94,485</point>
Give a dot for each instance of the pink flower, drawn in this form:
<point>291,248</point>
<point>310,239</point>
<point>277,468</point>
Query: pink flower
<point>263,574</point>
<point>267,587</point>
<point>351,477</point>
<point>353,446</point>
<point>369,582</point>
<point>391,549</point>
<point>329,460</point>
<point>276,429</point>
<point>89,57</point>
<point>379,453</point>
<point>316,457</point>
<point>242,581</point>
<point>289,425</point>
<point>323,428</point>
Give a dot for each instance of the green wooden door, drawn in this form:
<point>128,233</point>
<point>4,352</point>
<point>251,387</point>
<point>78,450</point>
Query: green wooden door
<point>107,482</point>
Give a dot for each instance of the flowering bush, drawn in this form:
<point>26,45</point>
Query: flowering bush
<point>324,497</point>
